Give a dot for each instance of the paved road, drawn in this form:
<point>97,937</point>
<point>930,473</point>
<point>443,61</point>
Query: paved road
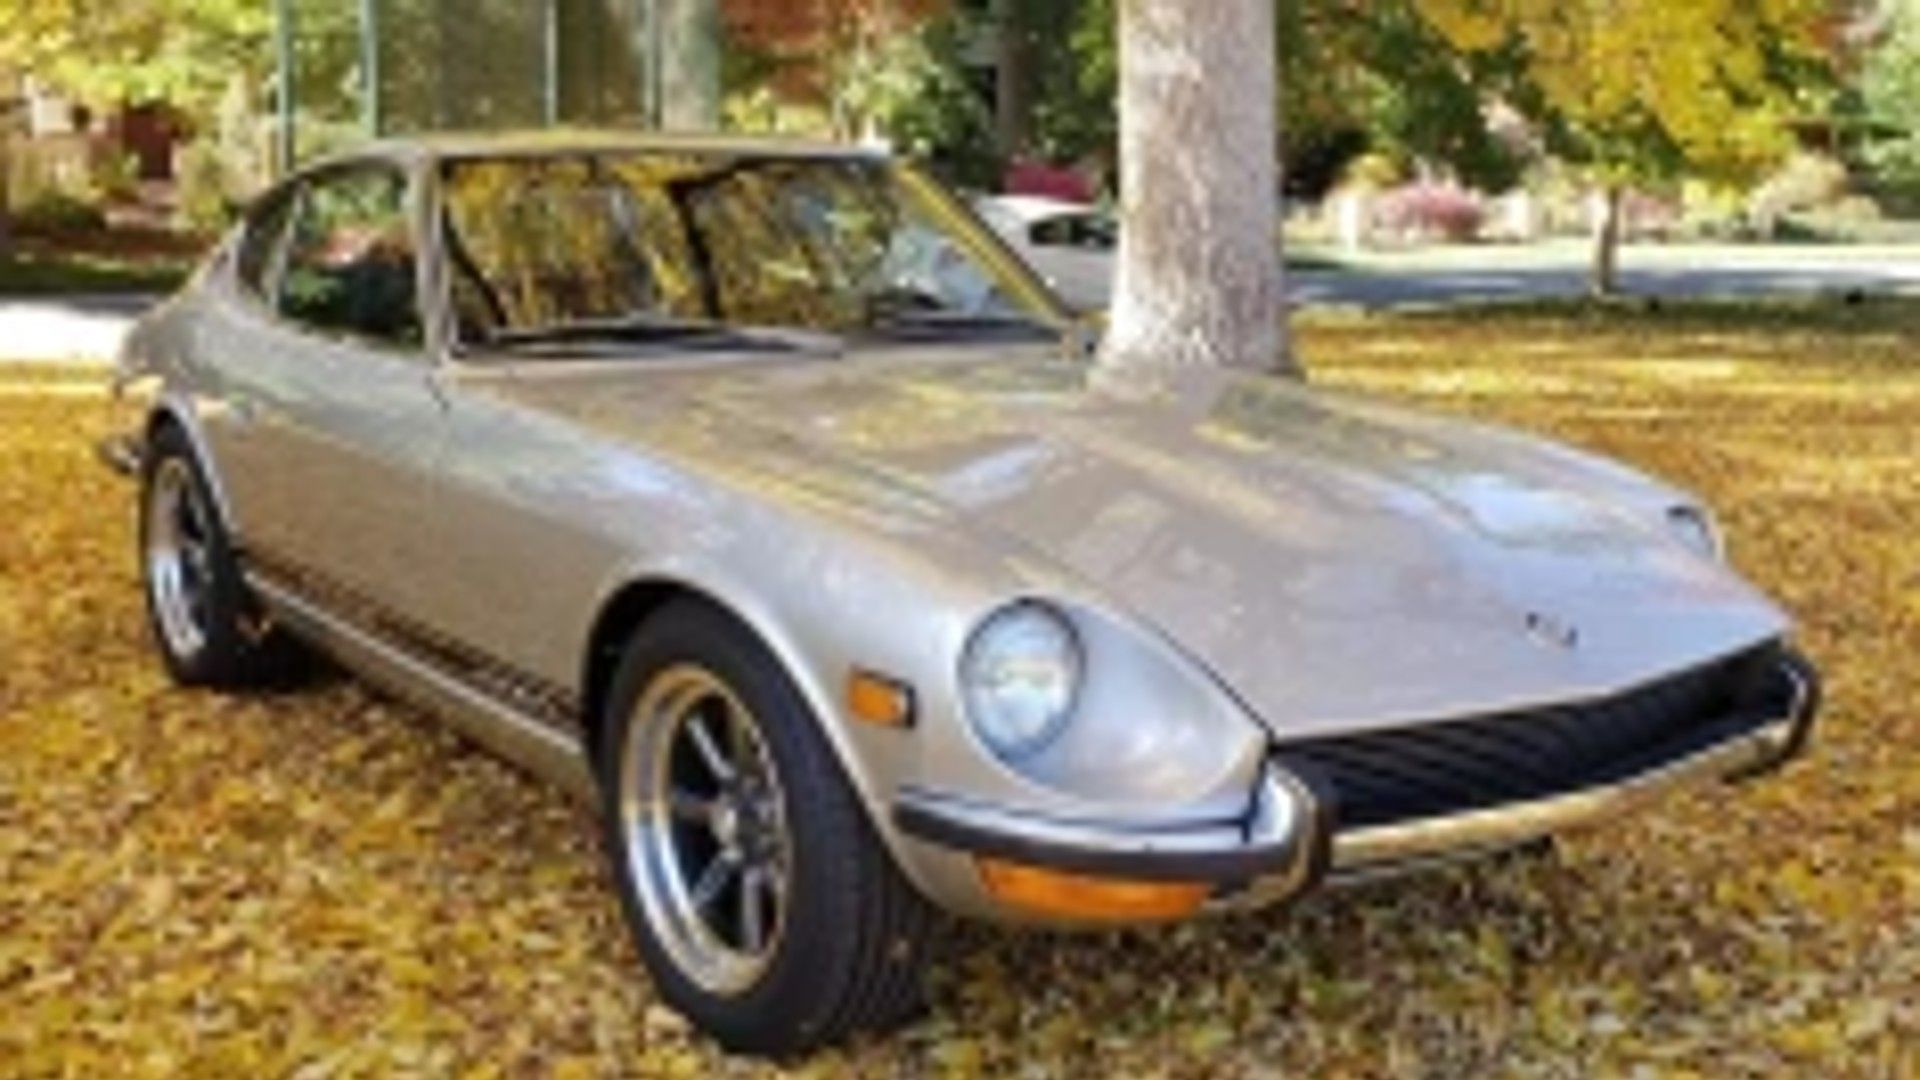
<point>1481,274</point>
<point>71,327</point>
<point>76,327</point>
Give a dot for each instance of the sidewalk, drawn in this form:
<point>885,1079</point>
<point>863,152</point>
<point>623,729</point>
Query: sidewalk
<point>71,327</point>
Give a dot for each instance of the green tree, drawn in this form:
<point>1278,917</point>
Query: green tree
<point>1890,95</point>
<point>914,87</point>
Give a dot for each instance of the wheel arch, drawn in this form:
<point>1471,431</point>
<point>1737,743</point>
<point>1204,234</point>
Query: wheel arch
<point>642,595</point>
<point>619,615</point>
<point>172,412</point>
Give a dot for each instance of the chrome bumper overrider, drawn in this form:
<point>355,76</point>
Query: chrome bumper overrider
<point>1292,841</point>
<point>121,453</point>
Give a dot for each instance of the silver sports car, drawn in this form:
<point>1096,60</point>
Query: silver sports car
<point>759,493</point>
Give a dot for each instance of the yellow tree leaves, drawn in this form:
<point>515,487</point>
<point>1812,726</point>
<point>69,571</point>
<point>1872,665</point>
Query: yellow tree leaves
<point>1648,86</point>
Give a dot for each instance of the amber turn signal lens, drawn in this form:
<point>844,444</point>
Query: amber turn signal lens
<point>1081,898</point>
<point>877,699</point>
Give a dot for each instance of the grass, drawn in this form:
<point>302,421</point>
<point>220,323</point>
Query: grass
<point>212,886</point>
<point>32,275</point>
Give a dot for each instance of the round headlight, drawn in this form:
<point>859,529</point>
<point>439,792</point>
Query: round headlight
<point>1020,676</point>
<point>1694,527</point>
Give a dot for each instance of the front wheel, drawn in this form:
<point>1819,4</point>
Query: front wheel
<point>762,903</point>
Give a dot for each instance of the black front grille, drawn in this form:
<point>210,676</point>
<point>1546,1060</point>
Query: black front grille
<point>1453,766</point>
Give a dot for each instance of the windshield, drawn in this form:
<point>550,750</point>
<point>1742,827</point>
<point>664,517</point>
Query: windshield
<point>684,249</point>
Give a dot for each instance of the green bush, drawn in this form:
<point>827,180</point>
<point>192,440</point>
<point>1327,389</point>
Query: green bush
<point>117,178</point>
<point>915,90</point>
<point>55,212</point>
<point>204,199</point>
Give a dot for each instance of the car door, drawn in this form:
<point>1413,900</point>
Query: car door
<point>328,417</point>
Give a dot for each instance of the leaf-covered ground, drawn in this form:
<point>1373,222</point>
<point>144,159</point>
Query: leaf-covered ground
<point>325,884</point>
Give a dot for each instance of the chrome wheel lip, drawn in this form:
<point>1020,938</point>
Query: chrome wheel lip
<point>177,559</point>
<point>703,866</point>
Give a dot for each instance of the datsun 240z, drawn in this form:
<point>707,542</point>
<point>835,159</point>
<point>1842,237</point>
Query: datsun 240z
<point>760,493</point>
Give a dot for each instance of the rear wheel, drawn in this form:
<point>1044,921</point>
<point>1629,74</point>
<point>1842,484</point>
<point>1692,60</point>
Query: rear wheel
<point>205,623</point>
<point>762,903</point>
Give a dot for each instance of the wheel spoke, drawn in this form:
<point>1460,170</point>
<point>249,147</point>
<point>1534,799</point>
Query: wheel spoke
<point>194,558</point>
<point>710,755</point>
<point>193,523</point>
<point>706,889</point>
<point>739,738</point>
<point>686,806</point>
<point>753,911</point>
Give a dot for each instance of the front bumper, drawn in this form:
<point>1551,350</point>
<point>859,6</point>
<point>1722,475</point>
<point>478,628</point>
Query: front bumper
<point>1284,838</point>
<point>1292,840</point>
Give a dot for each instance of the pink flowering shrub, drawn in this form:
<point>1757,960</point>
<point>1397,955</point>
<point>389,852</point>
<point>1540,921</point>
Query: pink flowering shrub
<point>1426,210</point>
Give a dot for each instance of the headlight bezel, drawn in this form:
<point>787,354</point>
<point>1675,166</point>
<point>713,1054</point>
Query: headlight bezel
<point>1014,739</point>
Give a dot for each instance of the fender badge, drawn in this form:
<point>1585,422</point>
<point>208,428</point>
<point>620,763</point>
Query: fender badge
<point>1550,631</point>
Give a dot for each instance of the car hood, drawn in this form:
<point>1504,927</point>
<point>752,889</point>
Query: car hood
<point>1337,563</point>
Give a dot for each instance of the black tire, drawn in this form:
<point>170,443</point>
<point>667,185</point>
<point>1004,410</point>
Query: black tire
<point>852,953</point>
<point>235,647</point>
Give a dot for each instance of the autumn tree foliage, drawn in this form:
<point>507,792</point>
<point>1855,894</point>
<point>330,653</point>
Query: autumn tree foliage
<point>803,24</point>
<point>809,36</point>
<point>184,51</point>
<point>1644,92</point>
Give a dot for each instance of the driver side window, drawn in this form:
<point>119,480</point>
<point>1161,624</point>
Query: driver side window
<point>350,260</point>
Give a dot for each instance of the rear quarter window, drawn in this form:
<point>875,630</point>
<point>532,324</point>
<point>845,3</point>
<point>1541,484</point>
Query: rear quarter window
<point>259,248</point>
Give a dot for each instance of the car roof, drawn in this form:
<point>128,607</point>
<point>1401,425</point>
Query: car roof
<point>563,141</point>
<point>1030,209</point>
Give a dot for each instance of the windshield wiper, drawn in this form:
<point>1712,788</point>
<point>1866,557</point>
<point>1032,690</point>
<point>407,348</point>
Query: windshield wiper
<point>945,325</point>
<point>647,331</point>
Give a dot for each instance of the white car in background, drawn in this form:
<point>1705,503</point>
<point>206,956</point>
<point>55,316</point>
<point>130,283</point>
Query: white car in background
<point>1070,244</point>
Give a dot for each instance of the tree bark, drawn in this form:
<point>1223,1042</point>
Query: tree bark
<point>1199,271</point>
<point>690,65</point>
<point>1606,243</point>
<point>1013,82</point>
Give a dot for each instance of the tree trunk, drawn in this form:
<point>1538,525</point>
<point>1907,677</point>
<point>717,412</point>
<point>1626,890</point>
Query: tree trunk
<point>1199,275</point>
<point>1606,243</point>
<point>690,65</point>
<point>1013,83</point>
